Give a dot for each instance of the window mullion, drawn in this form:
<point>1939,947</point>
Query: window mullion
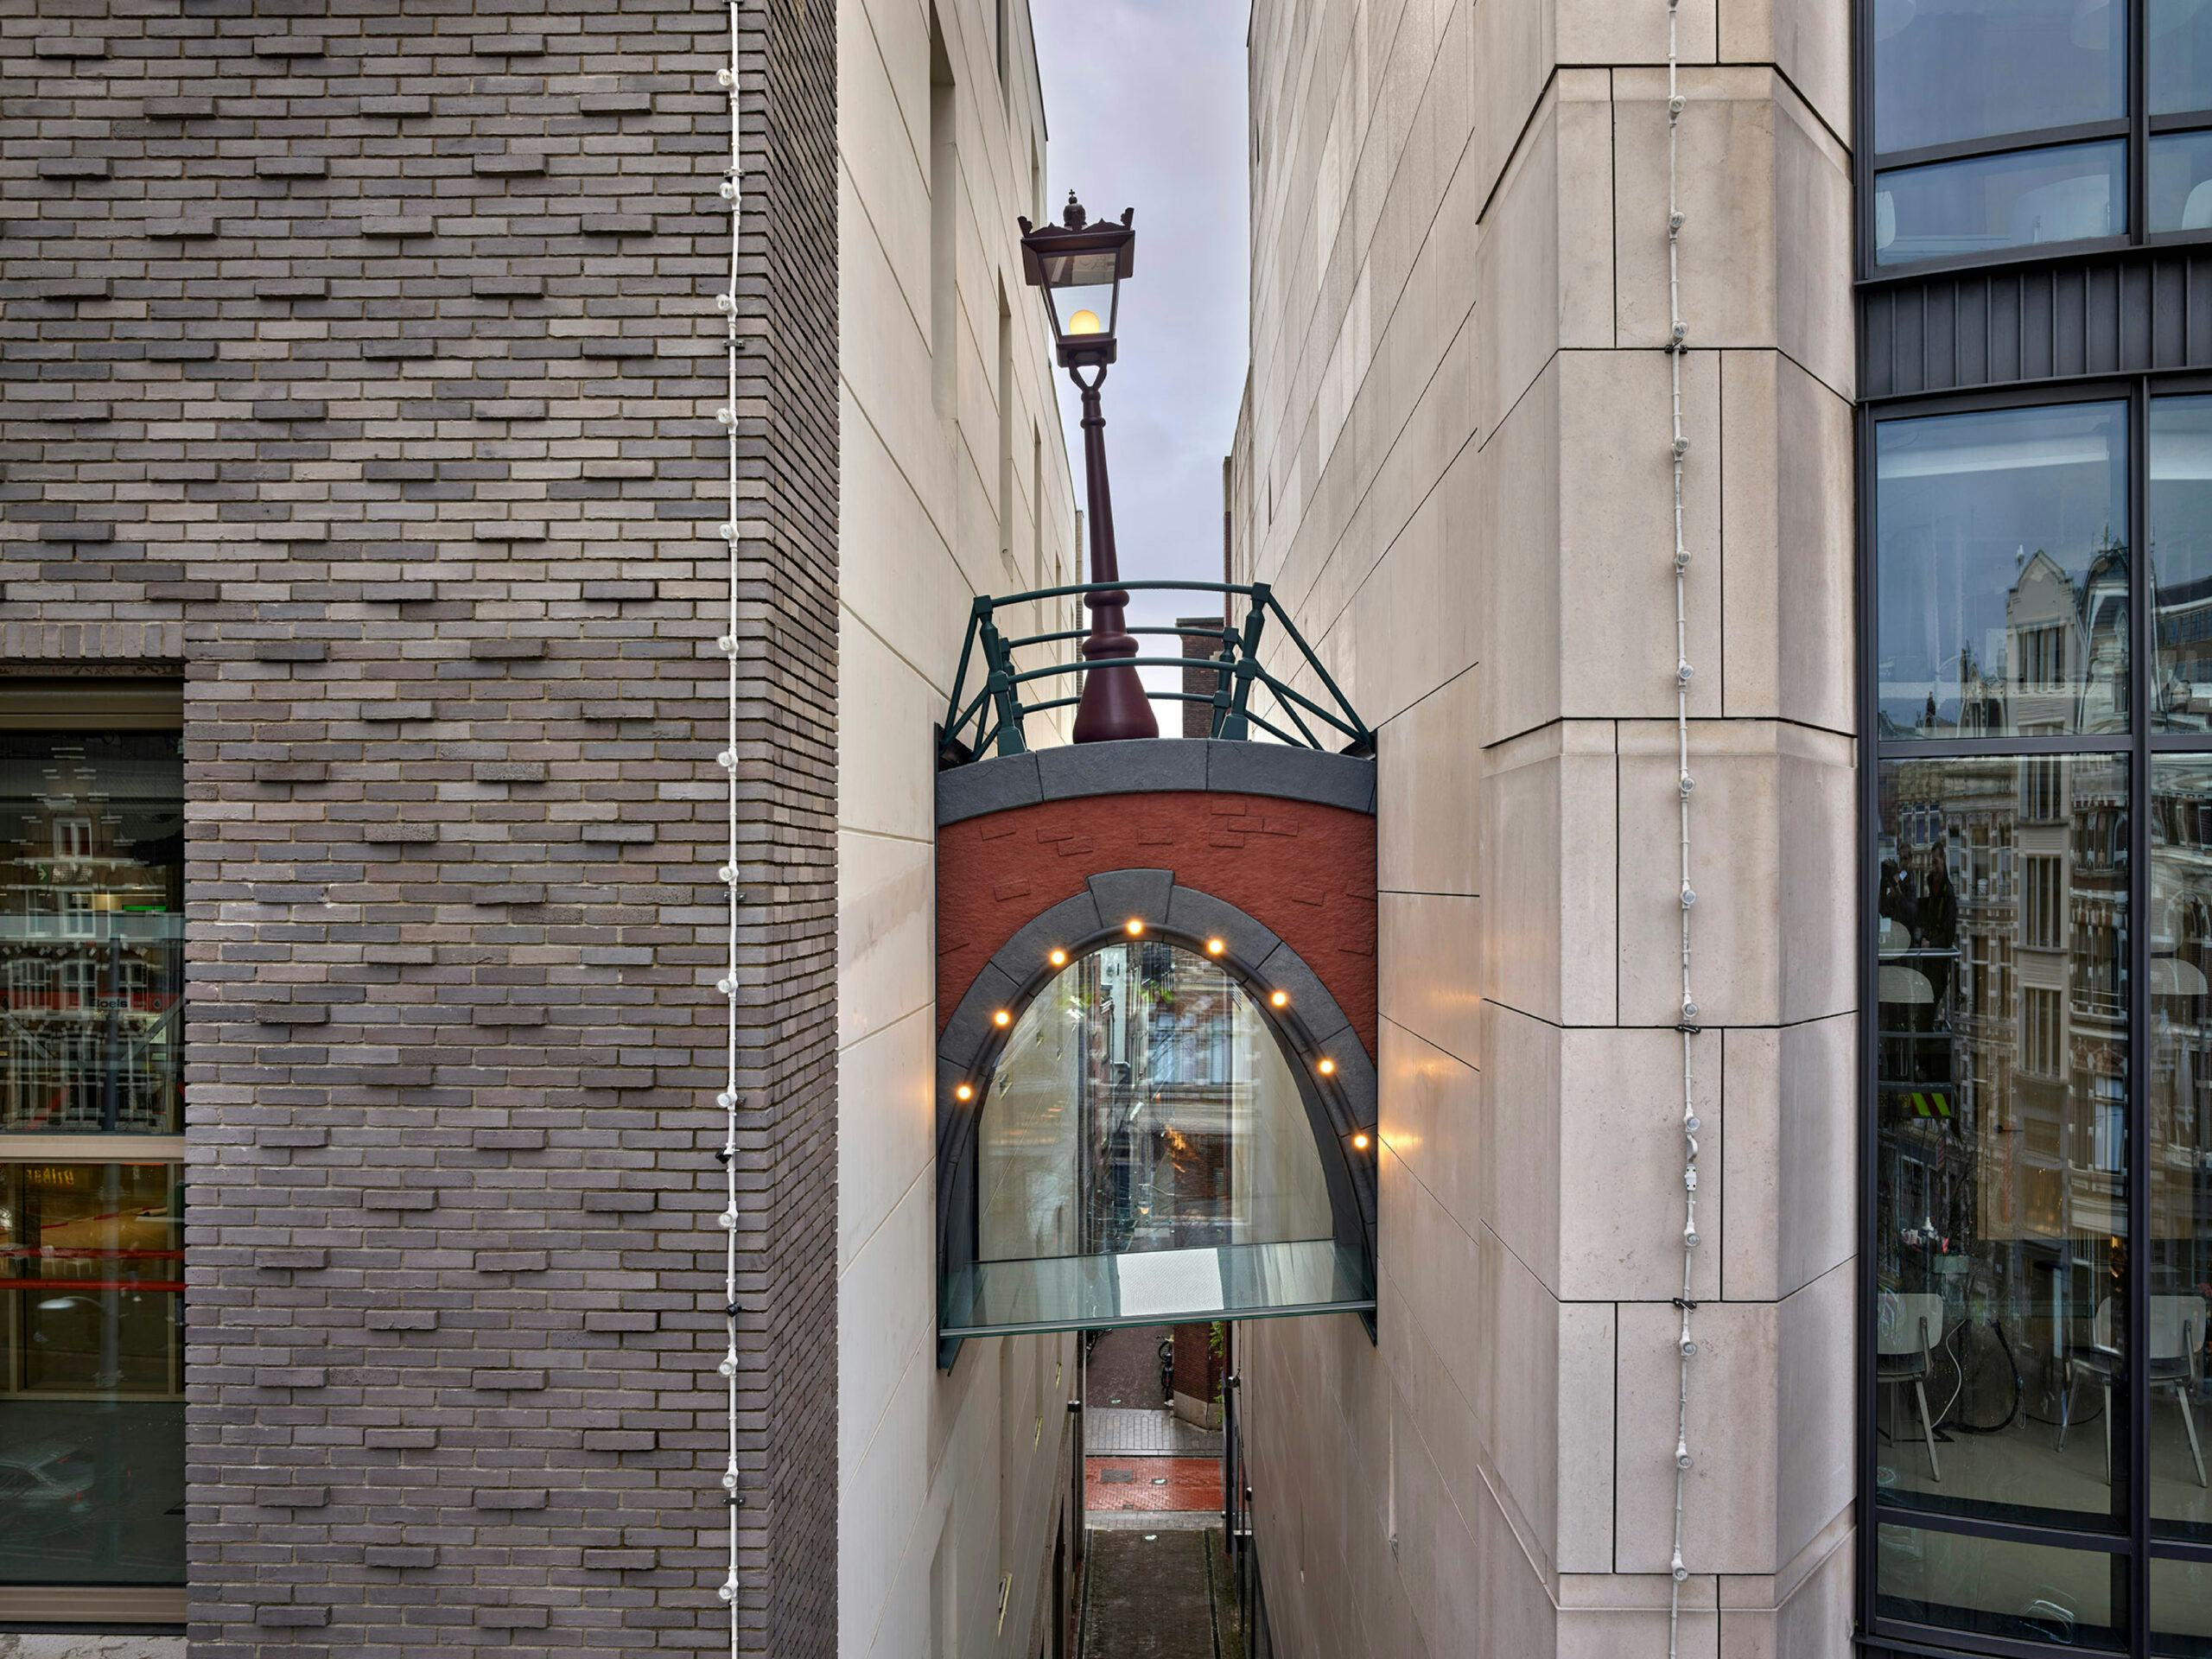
<point>2139,122</point>
<point>2139,1062</point>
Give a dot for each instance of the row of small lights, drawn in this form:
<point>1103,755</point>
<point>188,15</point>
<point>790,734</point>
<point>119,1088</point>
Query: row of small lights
<point>1134,928</point>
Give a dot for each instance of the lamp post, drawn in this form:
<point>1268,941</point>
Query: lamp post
<point>1080,266</point>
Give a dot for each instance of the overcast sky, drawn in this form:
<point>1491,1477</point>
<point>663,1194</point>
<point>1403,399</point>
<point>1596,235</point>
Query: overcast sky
<point>1145,101</point>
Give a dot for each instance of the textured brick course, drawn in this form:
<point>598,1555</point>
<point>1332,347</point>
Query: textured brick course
<point>353,367</point>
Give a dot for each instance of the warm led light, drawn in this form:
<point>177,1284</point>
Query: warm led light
<point>1058,958</point>
<point>1360,1141</point>
<point>1280,999</point>
<point>1085,322</point>
<point>1003,1019</point>
<point>964,1091</point>
<point>1327,1067</point>
<point>1215,947</point>
<point>1136,928</point>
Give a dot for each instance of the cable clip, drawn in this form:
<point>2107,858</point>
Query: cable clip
<point>1687,1305</point>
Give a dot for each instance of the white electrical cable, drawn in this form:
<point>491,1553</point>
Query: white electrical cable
<point>732,193</point>
<point>1677,347</point>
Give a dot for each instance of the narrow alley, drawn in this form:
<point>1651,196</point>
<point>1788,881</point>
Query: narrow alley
<point>1157,1583</point>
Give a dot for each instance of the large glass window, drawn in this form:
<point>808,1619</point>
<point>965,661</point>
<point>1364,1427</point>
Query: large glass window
<point>91,1235</point>
<point>2001,1108</point>
<point>2039,1255</point>
<point>2008,125</point>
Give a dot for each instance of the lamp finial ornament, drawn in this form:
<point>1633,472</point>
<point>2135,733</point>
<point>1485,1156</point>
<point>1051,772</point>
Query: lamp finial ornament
<point>1075,217</point>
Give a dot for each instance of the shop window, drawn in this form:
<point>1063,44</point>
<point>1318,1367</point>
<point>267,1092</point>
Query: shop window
<point>92,1189</point>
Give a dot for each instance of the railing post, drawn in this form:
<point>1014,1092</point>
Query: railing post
<point>1228,661</point>
<point>1001,688</point>
<point>1236,724</point>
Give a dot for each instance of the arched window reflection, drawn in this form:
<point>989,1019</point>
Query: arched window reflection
<point>1149,1149</point>
<point>1140,1104</point>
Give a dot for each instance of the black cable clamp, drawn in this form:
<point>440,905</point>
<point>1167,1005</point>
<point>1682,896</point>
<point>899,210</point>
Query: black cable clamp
<point>1687,1305</point>
<point>1688,1030</point>
<point>723,1154</point>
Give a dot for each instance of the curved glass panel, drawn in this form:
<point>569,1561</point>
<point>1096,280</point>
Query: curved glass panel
<point>2181,1607</point>
<point>2001,565</point>
<point>2031,1593</point>
<point>2180,1253</point>
<point>2000,1212</point>
<point>1949,71</point>
<point>1145,1153</point>
<point>2023,199</point>
<point>2181,562</point>
<point>2180,58</point>
<point>2180,181</point>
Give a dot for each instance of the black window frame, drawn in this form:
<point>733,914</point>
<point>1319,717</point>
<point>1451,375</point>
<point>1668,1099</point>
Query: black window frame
<point>2135,1547</point>
<point>113,698</point>
<point>2137,127</point>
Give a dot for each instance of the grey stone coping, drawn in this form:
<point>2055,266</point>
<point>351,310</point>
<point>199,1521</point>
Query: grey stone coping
<point>1074,771</point>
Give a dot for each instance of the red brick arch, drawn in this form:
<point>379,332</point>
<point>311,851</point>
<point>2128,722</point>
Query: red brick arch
<point>1303,868</point>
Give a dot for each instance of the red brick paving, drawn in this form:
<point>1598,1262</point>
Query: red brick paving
<point>1190,1484</point>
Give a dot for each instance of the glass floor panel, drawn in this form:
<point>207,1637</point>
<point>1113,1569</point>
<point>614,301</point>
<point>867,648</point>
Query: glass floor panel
<point>1085,1292</point>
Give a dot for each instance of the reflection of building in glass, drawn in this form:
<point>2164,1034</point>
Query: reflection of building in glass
<point>2002,1099</point>
<point>91,940</point>
<point>1141,1103</point>
<point>91,1227</point>
<point>2061,664</point>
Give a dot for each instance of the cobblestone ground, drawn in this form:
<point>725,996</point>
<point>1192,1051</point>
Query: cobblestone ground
<point>1159,1595</point>
<point>1124,1368</point>
<point>1124,1483</point>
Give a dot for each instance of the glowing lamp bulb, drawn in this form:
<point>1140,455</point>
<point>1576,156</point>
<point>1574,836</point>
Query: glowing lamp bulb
<point>1058,958</point>
<point>1278,998</point>
<point>1134,927</point>
<point>1360,1141</point>
<point>964,1091</point>
<point>1003,1019</point>
<point>1327,1067</point>
<point>1085,322</point>
<point>1215,947</point>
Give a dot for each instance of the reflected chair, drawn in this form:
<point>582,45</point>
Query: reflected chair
<point>1904,1352</point>
<point>2177,1331</point>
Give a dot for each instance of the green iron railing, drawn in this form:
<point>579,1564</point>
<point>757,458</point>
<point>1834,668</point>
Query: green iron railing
<point>990,721</point>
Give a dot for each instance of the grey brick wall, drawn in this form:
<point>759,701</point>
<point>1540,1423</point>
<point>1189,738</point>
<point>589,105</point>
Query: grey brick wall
<point>359,364</point>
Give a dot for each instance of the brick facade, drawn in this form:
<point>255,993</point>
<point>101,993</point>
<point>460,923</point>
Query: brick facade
<point>358,364</point>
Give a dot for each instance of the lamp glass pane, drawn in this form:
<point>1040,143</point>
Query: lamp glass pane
<point>1083,310</point>
<point>1079,269</point>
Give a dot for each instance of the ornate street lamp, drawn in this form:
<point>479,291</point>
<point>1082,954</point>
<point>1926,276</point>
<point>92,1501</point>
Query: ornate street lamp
<point>1080,267</point>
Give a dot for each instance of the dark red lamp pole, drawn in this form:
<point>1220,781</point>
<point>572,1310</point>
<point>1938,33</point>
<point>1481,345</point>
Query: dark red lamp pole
<point>1080,267</point>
